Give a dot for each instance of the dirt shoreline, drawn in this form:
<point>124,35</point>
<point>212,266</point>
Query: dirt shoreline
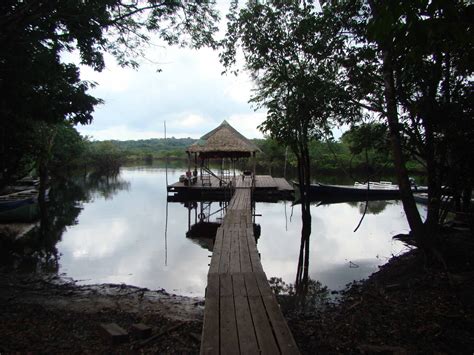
<point>48,314</point>
<point>403,308</point>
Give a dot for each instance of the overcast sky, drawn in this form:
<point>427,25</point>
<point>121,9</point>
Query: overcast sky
<point>190,94</point>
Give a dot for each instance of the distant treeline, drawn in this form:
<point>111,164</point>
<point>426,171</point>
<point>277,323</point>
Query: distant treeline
<point>59,149</point>
<point>328,156</point>
<point>146,149</point>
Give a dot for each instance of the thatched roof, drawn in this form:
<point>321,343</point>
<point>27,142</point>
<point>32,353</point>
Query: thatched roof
<point>223,141</point>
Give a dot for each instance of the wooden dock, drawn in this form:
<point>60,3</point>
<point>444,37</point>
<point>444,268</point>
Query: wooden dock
<point>241,315</point>
<point>265,189</point>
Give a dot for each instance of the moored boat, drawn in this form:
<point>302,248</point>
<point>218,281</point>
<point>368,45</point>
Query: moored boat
<point>19,206</point>
<point>372,190</point>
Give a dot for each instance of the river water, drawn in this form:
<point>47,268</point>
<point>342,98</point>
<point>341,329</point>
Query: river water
<point>122,230</point>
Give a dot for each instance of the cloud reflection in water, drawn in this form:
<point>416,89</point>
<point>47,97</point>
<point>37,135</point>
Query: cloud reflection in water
<point>121,239</point>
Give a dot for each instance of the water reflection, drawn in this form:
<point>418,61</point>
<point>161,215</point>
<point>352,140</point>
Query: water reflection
<point>112,229</point>
<point>122,239</point>
<point>105,186</point>
<point>334,245</point>
<point>372,207</point>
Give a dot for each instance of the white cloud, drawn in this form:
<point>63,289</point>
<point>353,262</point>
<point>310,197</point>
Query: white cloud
<point>191,120</point>
<point>121,132</point>
<point>247,123</point>
<point>113,79</point>
<point>238,88</point>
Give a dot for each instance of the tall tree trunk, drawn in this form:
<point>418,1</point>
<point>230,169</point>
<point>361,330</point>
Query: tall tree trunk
<point>306,217</point>
<point>304,178</point>
<point>299,270</point>
<point>409,205</point>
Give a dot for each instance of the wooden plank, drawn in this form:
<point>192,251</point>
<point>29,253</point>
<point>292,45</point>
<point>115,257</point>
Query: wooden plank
<point>263,285</point>
<point>229,343</point>
<point>114,333</point>
<point>210,330</point>
<point>253,252</point>
<point>247,337</point>
<point>282,333</point>
<point>234,253</point>
<point>263,330</point>
<point>266,341</point>
<point>241,313</point>
<point>245,262</point>
<point>216,251</point>
<point>265,182</point>
<point>140,331</point>
<point>225,286</point>
<point>224,261</point>
<point>283,184</point>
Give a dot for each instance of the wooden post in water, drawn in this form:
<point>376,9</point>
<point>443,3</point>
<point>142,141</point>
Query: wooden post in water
<point>254,169</point>
<point>166,159</point>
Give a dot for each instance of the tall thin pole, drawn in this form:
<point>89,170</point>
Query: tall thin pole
<point>166,221</point>
<point>166,234</point>
<point>166,159</point>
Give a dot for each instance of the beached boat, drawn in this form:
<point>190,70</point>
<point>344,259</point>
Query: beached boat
<point>374,190</point>
<point>19,206</point>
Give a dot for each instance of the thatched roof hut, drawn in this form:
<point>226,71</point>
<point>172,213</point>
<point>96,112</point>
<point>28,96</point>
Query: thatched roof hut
<point>223,142</point>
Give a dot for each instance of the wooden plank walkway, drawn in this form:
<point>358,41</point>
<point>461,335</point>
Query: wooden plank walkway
<point>241,314</point>
<point>282,184</point>
<point>266,188</point>
<point>261,181</point>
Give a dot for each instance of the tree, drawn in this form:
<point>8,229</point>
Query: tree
<point>370,140</point>
<point>290,60</point>
<point>35,83</point>
<point>411,62</point>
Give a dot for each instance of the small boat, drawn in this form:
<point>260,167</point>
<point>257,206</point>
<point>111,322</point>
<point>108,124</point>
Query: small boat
<point>19,206</point>
<point>373,190</point>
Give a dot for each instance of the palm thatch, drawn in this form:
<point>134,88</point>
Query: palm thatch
<point>223,141</point>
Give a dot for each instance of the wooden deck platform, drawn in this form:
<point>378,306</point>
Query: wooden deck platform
<point>267,188</point>
<point>241,315</point>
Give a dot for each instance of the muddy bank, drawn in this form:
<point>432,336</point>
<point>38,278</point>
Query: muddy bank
<point>49,314</point>
<point>405,308</point>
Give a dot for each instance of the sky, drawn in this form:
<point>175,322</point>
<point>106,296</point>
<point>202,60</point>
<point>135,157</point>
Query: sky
<point>189,93</point>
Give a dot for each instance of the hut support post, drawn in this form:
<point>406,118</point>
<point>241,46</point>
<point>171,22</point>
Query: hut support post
<point>195,164</point>
<point>200,168</point>
<point>189,218</point>
<point>189,161</point>
<point>254,168</point>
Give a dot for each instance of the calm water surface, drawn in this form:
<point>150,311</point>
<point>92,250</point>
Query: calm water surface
<point>119,237</point>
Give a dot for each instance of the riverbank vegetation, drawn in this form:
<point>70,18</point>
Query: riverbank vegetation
<point>345,154</point>
<point>404,67</point>
<point>69,151</point>
<point>42,91</point>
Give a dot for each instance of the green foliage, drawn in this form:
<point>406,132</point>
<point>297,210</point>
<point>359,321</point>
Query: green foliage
<point>368,144</point>
<point>411,63</point>
<point>67,149</point>
<point>105,158</point>
<point>36,85</point>
<point>289,58</point>
<point>156,148</point>
<point>367,136</point>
